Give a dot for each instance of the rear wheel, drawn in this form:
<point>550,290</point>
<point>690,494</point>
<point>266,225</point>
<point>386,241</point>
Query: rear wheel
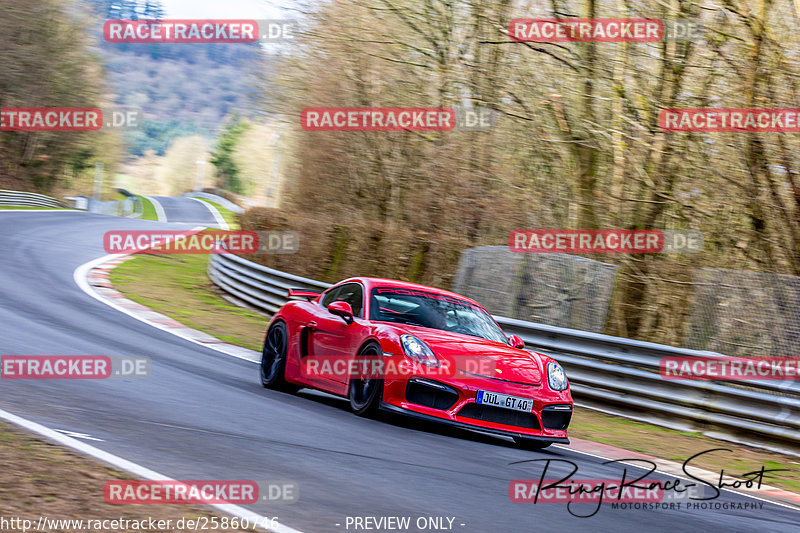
<point>531,444</point>
<point>273,359</point>
<point>366,392</point>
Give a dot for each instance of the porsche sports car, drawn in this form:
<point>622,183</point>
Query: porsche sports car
<point>419,351</point>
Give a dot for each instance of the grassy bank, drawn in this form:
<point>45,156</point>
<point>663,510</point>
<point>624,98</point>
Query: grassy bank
<point>177,286</point>
<point>148,211</point>
<point>231,218</point>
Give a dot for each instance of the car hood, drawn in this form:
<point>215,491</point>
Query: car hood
<point>475,355</point>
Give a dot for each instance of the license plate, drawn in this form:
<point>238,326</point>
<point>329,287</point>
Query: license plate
<point>504,400</point>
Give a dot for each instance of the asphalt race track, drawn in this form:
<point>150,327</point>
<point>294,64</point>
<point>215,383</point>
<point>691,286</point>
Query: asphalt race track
<point>185,210</point>
<point>204,415</point>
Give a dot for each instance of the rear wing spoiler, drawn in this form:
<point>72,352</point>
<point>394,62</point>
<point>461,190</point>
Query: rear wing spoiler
<point>308,294</point>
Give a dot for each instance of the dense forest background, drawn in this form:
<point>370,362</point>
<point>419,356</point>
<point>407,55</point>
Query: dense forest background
<point>576,142</point>
<point>188,93</point>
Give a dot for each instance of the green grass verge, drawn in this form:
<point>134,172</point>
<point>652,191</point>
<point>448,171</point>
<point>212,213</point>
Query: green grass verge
<point>177,286</point>
<point>148,211</point>
<point>231,218</point>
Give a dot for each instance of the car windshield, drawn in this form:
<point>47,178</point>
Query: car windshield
<point>430,310</point>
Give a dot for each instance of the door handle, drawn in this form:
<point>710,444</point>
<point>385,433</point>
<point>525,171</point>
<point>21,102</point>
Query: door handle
<point>312,324</point>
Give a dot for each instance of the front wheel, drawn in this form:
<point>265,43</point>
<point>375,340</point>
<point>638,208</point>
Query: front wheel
<point>366,392</point>
<point>273,359</point>
<point>531,444</point>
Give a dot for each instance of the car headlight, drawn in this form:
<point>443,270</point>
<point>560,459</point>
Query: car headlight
<point>418,351</point>
<point>556,377</point>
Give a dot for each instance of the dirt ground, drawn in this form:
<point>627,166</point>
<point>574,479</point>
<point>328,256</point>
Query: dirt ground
<point>40,479</point>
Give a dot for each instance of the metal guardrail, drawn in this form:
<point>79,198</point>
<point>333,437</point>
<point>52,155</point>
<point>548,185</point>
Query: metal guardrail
<point>612,374</point>
<point>256,285</point>
<point>131,206</point>
<point>616,372</point>
<point>28,199</point>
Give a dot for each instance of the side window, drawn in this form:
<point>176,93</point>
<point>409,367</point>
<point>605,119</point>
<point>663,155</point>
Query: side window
<point>353,294</point>
<point>329,297</point>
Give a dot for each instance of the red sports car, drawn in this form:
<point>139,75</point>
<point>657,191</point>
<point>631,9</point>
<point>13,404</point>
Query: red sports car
<point>420,351</point>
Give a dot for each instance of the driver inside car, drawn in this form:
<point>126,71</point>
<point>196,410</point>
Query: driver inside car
<point>432,317</point>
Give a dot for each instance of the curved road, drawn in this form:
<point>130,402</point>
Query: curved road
<point>184,210</point>
<point>203,415</point>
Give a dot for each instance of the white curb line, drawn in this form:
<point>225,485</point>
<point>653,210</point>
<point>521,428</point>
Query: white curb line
<point>135,469</point>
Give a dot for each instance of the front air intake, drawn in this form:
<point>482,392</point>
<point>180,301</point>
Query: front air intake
<point>556,416</point>
<point>433,394</point>
<point>499,415</point>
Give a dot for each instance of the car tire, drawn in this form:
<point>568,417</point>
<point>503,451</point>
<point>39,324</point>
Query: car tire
<point>531,444</point>
<point>273,359</point>
<point>366,394</point>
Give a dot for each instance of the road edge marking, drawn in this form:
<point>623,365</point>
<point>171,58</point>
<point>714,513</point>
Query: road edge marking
<point>161,215</point>
<point>81,278</point>
<point>132,468</point>
<point>215,213</point>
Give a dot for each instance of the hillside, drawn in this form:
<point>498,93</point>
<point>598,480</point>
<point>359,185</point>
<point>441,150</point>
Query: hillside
<point>183,89</point>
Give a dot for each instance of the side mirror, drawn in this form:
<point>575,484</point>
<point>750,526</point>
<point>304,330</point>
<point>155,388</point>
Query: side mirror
<point>516,342</point>
<point>343,310</point>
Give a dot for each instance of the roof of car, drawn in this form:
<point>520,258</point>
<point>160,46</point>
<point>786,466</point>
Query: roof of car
<point>382,282</point>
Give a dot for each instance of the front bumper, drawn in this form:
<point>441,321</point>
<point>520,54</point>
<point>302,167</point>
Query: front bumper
<point>454,423</point>
<point>455,405</point>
